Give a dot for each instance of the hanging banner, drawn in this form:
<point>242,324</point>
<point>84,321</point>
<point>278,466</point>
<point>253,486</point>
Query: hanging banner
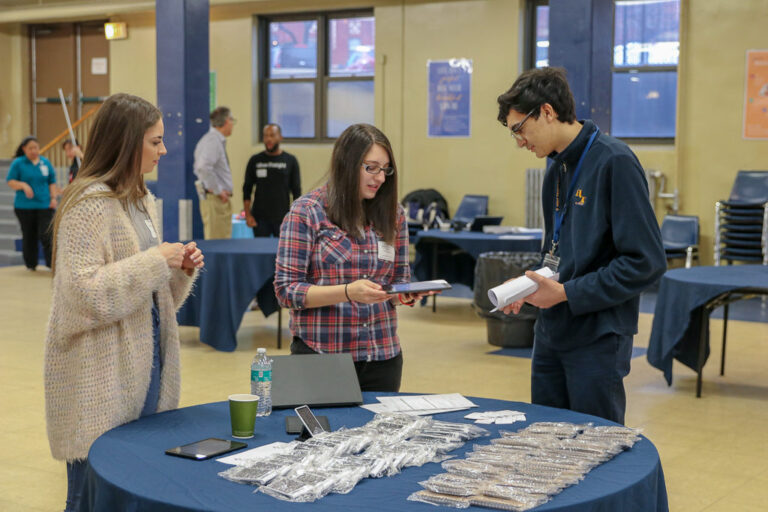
<point>756,95</point>
<point>448,106</point>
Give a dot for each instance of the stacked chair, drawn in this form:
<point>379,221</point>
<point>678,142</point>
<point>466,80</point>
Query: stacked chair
<point>741,222</point>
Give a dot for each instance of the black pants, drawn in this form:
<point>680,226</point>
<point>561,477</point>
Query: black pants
<point>266,228</point>
<point>372,375</point>
<point>35,226</point>
<point>587,379</point>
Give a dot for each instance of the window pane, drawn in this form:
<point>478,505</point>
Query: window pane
<point>293,49</point>
<point>351,43</point>
<point>292,106</point>
<point>542,36</point>
<point>348,103</point>
<point>646,33</point>
<point>643,104</point>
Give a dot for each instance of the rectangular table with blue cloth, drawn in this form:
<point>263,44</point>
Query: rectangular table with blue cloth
<point>685,300</point>
<point>128,470</point>
<point>467,247</point>
<point>235,272</point>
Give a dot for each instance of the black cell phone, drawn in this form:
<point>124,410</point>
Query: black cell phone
<point>293,424</point>
<point>309,420</point>
<point>206,448</point>
<point>417,286</point>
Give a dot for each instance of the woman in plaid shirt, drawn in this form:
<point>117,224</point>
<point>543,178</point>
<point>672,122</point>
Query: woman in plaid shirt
<point>339,245</point>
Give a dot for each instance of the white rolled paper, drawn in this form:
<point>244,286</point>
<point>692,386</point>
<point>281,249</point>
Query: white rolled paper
<point>505,294</point>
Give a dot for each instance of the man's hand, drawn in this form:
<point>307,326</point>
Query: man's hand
<point>250,221</point>
<point>550,292</point>
<point>224,196</point>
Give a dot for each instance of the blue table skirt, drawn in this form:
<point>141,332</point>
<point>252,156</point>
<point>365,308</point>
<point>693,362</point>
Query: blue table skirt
<point>677,319</point>
<point>129,471</point>
<point>235,272</point>
<point>461,267</point>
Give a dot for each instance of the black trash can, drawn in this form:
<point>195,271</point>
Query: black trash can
<point>492,269</point>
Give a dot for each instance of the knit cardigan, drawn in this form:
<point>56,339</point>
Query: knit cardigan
<point>99,346</point>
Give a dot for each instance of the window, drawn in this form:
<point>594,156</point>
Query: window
<point>537,30</point>
<point>645,54</point>
<point>316,73</point>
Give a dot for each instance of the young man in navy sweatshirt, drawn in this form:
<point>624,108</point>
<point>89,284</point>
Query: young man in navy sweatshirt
<point>601,235</point>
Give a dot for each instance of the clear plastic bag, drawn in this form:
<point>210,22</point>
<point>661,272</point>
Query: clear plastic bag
<point>304,486</point>
<point>443,500</point>
<point>455,485</point>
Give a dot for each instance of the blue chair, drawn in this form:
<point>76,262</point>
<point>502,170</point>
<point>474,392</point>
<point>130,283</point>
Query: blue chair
<point>750,189</point>
<point>680,236</point>
<point>470,207</point>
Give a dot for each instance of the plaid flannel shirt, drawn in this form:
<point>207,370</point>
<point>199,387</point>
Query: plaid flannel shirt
<point>314,251</point>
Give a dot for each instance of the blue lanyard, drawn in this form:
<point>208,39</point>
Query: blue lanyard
<point>560,212</point>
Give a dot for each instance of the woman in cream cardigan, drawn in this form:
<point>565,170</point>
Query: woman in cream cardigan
<point>112,351</point>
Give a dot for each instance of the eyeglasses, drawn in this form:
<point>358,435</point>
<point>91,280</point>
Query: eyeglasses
<point>517,127</point>
<point>234,121</point>
<point>376,169</point>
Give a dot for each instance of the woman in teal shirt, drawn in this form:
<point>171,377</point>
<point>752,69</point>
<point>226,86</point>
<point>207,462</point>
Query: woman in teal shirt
<point>34,179</point>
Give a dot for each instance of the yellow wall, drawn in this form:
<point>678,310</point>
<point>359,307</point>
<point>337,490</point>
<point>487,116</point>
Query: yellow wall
<point>702,162</point>
<point>716,34</point>
<point>14,88</point>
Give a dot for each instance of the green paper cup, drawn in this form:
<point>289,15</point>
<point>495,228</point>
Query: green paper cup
<point>242,413</point>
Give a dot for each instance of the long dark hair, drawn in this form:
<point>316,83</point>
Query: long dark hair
<point>113,154</point>
<point>345,209</point>
<point>24,142</point>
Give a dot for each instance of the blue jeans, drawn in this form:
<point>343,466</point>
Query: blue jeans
<point>587,379</point>
<point>76,470</point>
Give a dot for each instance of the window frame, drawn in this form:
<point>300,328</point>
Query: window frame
<point>322,76</point>
<point>529,43</point>
<point>644,69</point>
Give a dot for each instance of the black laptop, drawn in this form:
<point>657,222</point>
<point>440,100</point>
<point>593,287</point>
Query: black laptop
<point>317,380</point>
<point>485,220</point>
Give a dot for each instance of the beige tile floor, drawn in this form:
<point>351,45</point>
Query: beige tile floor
<point>714,450</point>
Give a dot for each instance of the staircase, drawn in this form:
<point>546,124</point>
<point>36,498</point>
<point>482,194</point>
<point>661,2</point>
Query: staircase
<point>9,226</point>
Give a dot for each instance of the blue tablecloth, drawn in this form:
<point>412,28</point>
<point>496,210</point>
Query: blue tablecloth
<point>460,268</point>
<point>129,471</point>
<point>235,272</point>
<point>677,320</point>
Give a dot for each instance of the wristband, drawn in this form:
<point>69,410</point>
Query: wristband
<point>345,292</point>
<point>400,298</point>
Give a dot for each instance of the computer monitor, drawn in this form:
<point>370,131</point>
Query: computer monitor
<point>485,220</point>
<point>317,380</point>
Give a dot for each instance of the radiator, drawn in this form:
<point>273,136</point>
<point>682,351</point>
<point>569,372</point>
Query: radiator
<point>534,216</point>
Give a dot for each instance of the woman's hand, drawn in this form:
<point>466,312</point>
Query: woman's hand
<point>366,291</point>
<point>27,190</point>
<point>173,254</point>
<point>193,258</point>
<point>54,203</point>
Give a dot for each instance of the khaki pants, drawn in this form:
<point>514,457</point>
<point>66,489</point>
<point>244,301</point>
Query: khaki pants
<point>217,217</point>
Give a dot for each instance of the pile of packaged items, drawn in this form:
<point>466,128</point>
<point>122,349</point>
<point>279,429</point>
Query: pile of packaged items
<point>337,461</point>
<point>522,470</point>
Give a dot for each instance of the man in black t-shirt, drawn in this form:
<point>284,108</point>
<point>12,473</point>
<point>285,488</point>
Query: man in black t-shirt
<point>275,174</point>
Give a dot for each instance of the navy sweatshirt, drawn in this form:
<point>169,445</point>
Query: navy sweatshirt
<point>610,245</point>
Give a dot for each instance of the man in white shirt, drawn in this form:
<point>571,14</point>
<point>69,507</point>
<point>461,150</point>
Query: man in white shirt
<point>214,177</point>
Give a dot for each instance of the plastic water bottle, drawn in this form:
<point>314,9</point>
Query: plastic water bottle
<point>261,381</point>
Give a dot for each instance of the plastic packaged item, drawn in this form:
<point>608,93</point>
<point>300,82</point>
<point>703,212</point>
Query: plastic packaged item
<point>443,500</point>
<point>455,485</point>
<point>257,474</point>
<point>261,382</point>
<point>302,487</point>
<point>514,505</point>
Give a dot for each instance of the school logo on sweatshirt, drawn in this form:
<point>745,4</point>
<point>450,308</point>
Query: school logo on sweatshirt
<point>579,201</point>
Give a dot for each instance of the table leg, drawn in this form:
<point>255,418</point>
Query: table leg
<point>725,331</point>
<point>279,328</point>
<point>434,274</point>
<point>703,340</point>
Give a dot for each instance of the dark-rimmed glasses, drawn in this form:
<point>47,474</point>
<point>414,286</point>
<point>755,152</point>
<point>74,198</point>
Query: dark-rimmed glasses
<point>376,169</point>
<point>517,127</point>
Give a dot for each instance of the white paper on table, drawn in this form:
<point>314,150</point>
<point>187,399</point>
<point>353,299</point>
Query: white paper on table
<point>376,408</point>
<point>516,289</point>
<point>426,403</point>
<point>254,454</point>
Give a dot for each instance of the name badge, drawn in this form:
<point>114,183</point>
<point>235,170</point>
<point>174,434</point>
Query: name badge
<point>386,251</point>
<point>551,261</point>
<point>44,170</point>
<point>150,227</point>
<point>261,173</point>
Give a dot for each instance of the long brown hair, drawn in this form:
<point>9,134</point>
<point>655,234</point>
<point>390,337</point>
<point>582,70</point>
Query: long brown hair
<point>345,209</point>
<point>113,154</point>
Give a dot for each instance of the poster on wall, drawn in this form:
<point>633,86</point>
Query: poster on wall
<point>448,106</point>
<point>756,95</point>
